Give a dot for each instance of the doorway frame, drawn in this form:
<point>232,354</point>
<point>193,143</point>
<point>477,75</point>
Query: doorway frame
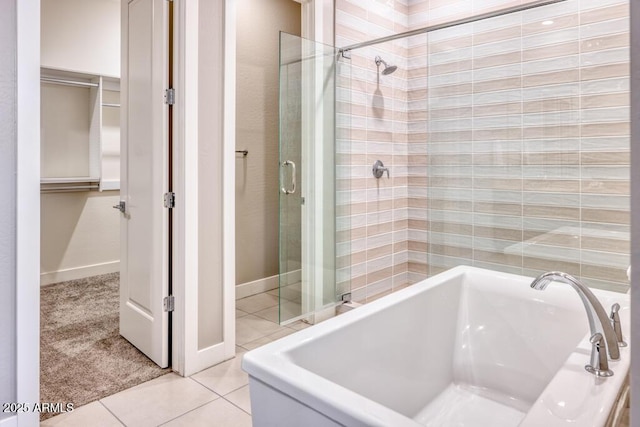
<point>27,243</point>
<point>28,204</point>
<point>187,358</point>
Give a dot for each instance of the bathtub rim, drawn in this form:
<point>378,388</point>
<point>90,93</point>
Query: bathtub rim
<point>272,365</point>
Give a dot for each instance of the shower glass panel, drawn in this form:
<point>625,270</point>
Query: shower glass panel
<point>508,144</point>
<point>307,178</point>
<point>529,145</point>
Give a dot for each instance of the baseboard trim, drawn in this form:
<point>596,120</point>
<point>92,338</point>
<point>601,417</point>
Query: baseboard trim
<point>259,286</point>
<point>79,273</point>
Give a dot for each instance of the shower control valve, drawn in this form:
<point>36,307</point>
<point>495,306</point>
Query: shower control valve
<point>378,169</point>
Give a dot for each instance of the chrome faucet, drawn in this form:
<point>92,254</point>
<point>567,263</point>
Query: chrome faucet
<point>599,322</point>
<point>599,365</point>
<point>615,321</point>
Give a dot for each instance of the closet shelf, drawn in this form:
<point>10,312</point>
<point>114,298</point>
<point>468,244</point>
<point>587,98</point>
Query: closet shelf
<point>74,120</point>
<point>67,82</point>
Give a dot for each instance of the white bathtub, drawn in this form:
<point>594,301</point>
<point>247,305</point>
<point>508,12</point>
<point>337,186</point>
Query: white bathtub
<point>468,347</point>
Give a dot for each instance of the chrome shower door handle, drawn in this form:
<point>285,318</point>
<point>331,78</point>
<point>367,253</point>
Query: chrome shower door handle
<point>293,177</point>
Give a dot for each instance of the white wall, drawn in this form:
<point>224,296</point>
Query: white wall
<point>7,208</point>
<point>80,235</point>
<point>26,203</point>
<point>79,230</point>
<point>210,179</point>
<point>81,35</point>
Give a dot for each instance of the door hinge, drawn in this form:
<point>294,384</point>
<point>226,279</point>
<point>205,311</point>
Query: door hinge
<point>170,96</point>
<point>169,200</point>
<point>169,303</point>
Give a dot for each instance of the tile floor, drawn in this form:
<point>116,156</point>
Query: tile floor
<point>218,396</point>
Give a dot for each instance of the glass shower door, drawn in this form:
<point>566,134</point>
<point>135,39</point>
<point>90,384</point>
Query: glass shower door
<point>307,178</point>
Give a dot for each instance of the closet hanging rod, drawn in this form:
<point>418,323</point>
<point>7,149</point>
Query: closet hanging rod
<point>67,82</point>
<point>67,188</point>
<point>111,105</point>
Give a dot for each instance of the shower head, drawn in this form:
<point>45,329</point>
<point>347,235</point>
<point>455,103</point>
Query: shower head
<point>388,69</point>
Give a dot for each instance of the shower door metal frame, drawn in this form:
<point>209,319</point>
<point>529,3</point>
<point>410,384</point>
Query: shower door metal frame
<point>318,21</point>
<point>449,24</point>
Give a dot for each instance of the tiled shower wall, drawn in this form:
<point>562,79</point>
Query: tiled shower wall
<point>528,142</point>
<point>516,152</point>
<point>372,125</point>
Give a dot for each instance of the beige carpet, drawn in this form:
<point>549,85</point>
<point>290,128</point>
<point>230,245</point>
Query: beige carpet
<point>82,356</point>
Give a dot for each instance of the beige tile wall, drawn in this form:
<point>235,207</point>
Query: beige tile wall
<point>515,152</point>
<point>372,125</point>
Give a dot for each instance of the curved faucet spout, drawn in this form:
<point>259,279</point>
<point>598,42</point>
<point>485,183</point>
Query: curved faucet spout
<point>598,319</point>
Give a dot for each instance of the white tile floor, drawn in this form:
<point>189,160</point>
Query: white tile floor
<point>218,396</point>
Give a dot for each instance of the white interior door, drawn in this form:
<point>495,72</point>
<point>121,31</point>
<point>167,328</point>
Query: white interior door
<point>144,278</point>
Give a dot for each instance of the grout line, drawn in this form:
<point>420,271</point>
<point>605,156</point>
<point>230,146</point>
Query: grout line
<point>208,389</point>
<point>218,395</point>
<point>234,390</point>
<point>203,385</point>
<point>239,406</point>
<point>191,410</point>
<point>111,412</point>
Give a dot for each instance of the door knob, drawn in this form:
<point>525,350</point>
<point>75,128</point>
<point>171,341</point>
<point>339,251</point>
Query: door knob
<point>120,206</point>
